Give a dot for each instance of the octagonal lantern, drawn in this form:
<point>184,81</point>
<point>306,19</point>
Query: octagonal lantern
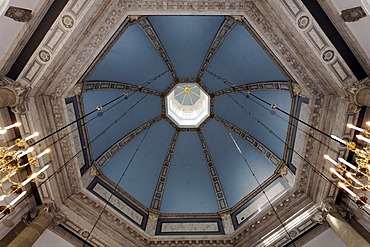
<point>187,105</point>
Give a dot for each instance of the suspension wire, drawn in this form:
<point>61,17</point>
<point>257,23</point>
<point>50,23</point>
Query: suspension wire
<point>99,109</point>
<point>116,185</point>
<point>275,106</point>
<point>80,127</point>
<point>259,185</point>
<point>292,149</point>
<point>284,142</point>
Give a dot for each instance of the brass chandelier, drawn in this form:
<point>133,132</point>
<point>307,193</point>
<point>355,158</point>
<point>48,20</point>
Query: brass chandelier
<point>354,177</point>
<point>11,163</point>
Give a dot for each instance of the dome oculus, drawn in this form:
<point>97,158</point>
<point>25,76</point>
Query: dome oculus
<point>187,105</point>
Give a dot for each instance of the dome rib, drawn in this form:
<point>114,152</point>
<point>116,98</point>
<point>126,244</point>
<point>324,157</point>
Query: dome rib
<point>108,154</point>
<point>262,85</point>
<point>256,144</point>
<point>219,192</point>
<point>225,28</point>
<point>147,28</point>
<point>161,183</point>
<point>114,85</point>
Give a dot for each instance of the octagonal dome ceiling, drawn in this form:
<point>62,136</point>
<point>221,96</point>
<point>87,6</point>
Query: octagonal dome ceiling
<point>202,167</point>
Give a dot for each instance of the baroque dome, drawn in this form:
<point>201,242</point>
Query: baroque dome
<point>142,143</point>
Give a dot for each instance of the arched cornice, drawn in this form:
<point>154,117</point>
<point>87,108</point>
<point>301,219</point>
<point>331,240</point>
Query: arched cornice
<point>263,85</point>
<point>108,154</point>
<point>109,85</point>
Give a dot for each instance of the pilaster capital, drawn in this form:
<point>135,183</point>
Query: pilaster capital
<point>328,207</point>
<point>20,92</point>
<point>50,208</point>
<point>356,92</point>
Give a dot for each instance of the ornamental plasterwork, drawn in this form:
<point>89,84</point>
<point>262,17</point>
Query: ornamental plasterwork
<point>18,14</point>
<point>317,39</point>
<point>83,55</point>
<point>353,14</point>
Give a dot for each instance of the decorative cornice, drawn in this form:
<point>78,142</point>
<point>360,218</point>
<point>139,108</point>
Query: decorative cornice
<point>107,85</point>
<point>256,144</point>
<point>225,28</point>
<point>144,24</point>
<point>220,196</point>
<point>108,154</point>
<point>161,183</point>
<point>321,46</point>
<point>269,85</point>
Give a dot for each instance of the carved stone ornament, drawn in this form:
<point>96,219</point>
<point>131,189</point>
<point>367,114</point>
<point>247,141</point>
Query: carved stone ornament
<point>353,14</point>
<point>20,92</point>
<point>19,14</point>
<point>318,217</point>
<point>33,213</point>
<point>358,95</point>
<point>303,22</point>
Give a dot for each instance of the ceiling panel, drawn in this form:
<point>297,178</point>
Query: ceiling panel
<point>133,59</point>
<point>142,174</point>
<point>188,188</point>
<point>240,60</point>
<point>186,40</point>
<point>230,108</point>
<point>119,118</point>
<point>233,171</point>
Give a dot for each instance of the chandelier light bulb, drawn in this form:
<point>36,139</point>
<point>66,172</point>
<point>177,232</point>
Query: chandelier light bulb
<point>338,139</point>
<point>347,164</point>
<point>354,179</point>
<point>34,175</point>
<point>327,157</point>
<point>360,137</point>
<point>351,126</point>
<point>17,124</point>
<point>46,151</point>
<point>343,186</point>
<point>337,174</point>
<point>17,198</point>
<point>29,150</point>
<point>32,136</point>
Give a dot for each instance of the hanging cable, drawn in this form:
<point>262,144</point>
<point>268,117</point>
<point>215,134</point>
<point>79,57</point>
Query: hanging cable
<point>117,185</point>
<point>78,127</point>
<point>100,108</point>
<point>273,106</point>
<point>260,186</point>
<point>292,149</point>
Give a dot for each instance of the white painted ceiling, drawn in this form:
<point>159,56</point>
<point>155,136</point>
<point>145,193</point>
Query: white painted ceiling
<point>12,31</point>
<point>361,28</point>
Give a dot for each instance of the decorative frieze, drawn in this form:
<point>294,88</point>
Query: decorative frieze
<point>102,85</point>
<point>325,50</point>
<point>284,86</point>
